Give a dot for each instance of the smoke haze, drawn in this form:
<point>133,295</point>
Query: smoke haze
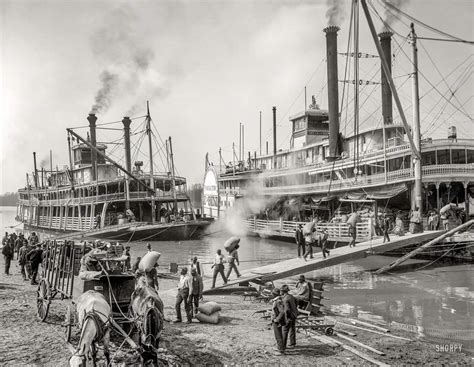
<point>127,62</point>
<point>390,15</point>
<point>335,12</point>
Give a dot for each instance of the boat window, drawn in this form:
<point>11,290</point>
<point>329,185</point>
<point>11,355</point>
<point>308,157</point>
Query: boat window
<point>458,156</point>
<point>443,156</point>
<point>428,158</point>
<point>470,156</point>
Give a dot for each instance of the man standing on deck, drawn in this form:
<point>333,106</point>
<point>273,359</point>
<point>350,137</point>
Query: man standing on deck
<point>309,244</point>
<point>323,242</point>
<point>299,238</point>
<point>184,290</point>
<point>291,313</point>
<point>127,264</point>
<point>353,234</point>
<point>8,252</point>
<point>278,320</point>
<point>386,228</point>
<point>218,268</point>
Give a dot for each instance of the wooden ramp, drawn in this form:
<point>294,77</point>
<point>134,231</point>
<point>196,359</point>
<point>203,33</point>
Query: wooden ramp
<point>296,266</point>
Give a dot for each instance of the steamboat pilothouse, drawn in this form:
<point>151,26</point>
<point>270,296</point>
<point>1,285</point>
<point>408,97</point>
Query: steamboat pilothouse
<point>389,168</point>
<point>95,196</point>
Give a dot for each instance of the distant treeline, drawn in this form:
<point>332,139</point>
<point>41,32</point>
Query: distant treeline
<point>195,194</point>
<point>9,199</point>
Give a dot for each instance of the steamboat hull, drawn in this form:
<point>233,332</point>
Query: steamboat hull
<point>138,232</point>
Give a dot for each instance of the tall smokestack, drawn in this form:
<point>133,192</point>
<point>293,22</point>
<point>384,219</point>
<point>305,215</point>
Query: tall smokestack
<point>386,43</point>
<point>333,90</point>
<point>36,169</point>
<point>126,136</point>
<point>92,120</point>
<point>274,135</point>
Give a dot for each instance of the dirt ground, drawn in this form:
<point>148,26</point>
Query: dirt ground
<point>241,338</point>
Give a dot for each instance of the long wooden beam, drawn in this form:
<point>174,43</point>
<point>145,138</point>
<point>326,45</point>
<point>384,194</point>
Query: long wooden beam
<point>425,246</point>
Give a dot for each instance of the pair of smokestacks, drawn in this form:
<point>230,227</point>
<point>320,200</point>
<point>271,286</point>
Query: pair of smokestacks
<point>333,93</point>
<point>92,118</point>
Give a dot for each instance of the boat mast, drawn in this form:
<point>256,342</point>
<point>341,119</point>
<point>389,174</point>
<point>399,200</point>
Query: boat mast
<point>416,194</point>
<point>386,69</point>
<point>356,88</point>
<point>152,179</point>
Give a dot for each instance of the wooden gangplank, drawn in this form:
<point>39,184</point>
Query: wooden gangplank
<point>296,266</point>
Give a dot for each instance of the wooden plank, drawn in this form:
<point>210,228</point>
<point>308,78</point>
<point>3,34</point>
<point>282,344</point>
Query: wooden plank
<point>355,321</point>
<point>296,266</point>
<point>360,344</point>
<point>373,331</point>
<point>421,248</point>
<point>364,356</point>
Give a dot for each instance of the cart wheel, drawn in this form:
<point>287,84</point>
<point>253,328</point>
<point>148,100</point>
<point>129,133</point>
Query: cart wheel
<point>43,299</point>
<point>68,321</point>
<point>329,331</point>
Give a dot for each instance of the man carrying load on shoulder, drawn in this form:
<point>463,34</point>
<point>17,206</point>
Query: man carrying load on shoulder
<point>232,259</point>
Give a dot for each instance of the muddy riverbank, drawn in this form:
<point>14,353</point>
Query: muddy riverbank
<point>241,338</point>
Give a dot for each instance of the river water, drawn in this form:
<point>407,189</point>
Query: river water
<point>436,303</point>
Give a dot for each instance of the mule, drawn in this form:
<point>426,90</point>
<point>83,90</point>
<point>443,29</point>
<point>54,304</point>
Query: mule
<point>147,308</point>
<point>93,313</point>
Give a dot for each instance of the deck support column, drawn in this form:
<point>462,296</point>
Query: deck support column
<point>437,184</point>
<point>466,197</point>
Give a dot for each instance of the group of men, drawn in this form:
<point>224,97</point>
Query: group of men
<point>305,243</point>
<point>283,317</point>
<point>29,254</point>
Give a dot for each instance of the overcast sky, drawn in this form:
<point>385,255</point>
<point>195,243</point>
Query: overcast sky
<point>205,66</point>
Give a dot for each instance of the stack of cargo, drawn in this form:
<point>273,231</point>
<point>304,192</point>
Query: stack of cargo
<point>209,313</point>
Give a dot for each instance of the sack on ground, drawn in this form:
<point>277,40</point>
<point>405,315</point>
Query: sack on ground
<point>208,319</point>
<point>209,308</point>
<point>148,261</point>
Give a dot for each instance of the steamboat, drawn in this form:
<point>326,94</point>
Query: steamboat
<point>389,167</point>
<point>95,196</point>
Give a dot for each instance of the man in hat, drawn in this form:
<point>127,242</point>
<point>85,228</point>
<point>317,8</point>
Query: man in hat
<point>195,265</point>
<point>8,252</point>
<point>184,290</point>
<point>291,313</point>
<point>278,320</point>
<point>302,292</point>
<point>148,247</point>
<point>195,294</point>
<point>299,238</point>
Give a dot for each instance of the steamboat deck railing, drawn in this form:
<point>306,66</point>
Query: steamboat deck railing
<point>336,231</point>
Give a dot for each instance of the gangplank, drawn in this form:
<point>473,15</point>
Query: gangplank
<point>296,266</point>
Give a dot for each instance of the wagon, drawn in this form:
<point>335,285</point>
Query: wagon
<point>60,279</point>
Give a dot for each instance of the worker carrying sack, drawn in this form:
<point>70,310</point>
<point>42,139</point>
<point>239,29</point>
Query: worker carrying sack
<point>148,261</point>
<point>230,244</point>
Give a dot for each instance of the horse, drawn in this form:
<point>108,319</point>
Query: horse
<point>147,307</point>
<point>94,314</point>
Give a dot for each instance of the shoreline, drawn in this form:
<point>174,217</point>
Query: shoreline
<point>240,338</point>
